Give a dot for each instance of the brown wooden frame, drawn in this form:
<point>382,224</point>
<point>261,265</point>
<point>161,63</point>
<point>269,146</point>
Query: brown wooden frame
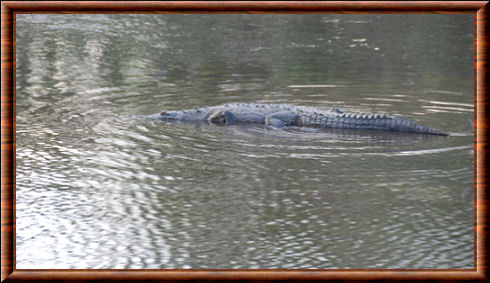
<point>10,8</point>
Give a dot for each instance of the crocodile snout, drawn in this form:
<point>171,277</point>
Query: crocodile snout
<point>168,115</point>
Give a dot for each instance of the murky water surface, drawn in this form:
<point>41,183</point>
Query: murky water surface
<point>96,189</point>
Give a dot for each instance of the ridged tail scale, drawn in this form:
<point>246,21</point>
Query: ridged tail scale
<point>366,121</point>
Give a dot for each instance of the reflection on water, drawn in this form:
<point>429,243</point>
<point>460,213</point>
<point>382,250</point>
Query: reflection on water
<point>96,189</point>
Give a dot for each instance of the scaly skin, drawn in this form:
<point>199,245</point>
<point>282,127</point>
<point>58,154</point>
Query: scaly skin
<point>279,115</point>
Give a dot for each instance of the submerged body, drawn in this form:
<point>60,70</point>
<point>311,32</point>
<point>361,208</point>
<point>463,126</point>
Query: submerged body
<point>280,115</point>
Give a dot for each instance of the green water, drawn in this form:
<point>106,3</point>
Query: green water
<point>96,189</point>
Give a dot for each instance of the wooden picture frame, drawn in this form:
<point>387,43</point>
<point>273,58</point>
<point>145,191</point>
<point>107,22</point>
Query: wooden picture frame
<point>10,8</point>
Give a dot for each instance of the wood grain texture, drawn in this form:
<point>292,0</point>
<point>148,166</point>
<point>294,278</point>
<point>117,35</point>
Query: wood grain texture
<point>7,145</point>
<point>10,8</point>
<point>248,275</point>
<point>481,139</point>
<point>248,6</point>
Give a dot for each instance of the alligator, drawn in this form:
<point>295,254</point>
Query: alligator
<point>281,115</point>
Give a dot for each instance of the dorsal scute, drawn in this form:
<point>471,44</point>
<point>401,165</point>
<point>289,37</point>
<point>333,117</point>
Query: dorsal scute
<point>337,110</point>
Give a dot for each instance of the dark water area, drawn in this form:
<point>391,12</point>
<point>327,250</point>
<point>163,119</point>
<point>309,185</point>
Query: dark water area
<point>97,189</point>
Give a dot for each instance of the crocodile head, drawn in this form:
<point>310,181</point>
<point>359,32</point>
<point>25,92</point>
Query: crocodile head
<point>191,115</point>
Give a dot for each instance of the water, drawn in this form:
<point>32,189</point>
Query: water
<point>96,189</point>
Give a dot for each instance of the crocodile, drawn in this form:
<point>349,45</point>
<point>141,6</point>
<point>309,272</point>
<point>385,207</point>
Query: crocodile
<point>281,115</point>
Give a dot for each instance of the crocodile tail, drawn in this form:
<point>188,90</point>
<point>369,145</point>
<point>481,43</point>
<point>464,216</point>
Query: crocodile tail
<point>370,121</point>
<point>427,130</point>
<point>406,125</point>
